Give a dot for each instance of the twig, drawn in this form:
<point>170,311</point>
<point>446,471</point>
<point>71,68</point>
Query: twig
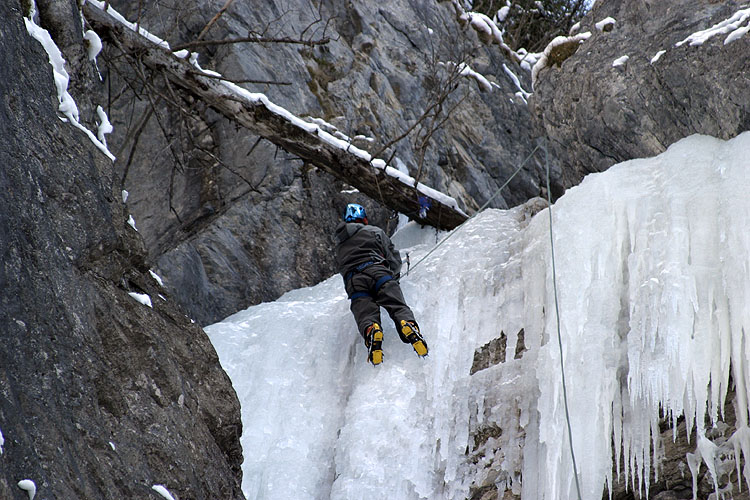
<point>260,138</point>
<point>138,19</point>
<point>228,167</point>
<point>136,138</point>
<point>214,19</point>
<point>405,132</point>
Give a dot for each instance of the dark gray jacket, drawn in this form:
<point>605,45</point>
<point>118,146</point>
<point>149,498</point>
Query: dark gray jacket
<point>357,244</point>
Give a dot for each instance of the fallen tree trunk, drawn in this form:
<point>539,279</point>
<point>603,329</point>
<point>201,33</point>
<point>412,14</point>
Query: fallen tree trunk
<point>261,117</point>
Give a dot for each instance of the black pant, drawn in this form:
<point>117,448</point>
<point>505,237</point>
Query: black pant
<point>371,289</point>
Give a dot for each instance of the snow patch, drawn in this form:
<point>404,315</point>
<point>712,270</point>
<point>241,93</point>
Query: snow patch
<point>620,61</point>
<point>528,59</point>
<point>485,27</point>
<point>94,44</point>
<point>605,24</point>
<point>483,24</point>
<point>658,56</point>
<point>323,124</point>
<point>521,92</point>
<point>556,42</point>
<point>161,490</point>
<point>142,298</point>
<point>104,126</point>
<point>29,487</point>
<point>484,84</point>
<point>67,105</point>
<point>119,17</point>
<point>157,278</point>
<point>731,27</point>
<point>502,14</point>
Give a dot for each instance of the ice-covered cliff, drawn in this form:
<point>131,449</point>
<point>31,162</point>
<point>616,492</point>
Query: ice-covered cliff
<point>652,278</point>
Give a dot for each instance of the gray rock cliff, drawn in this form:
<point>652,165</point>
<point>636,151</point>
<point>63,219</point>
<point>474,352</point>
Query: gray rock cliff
<point>597,114</point>
<point>248,222</point>
<point>100,396</point>
<point>104,397</point>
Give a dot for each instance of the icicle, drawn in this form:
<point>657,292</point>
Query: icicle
<point>740,441</point>
<point>694,463</point>
<point>708,452</point>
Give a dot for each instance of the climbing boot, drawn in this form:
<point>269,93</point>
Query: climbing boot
<point>410,331</point>
<point>374,343</point>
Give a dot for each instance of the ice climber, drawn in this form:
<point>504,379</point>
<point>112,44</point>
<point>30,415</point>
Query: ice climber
<point>371,268</point>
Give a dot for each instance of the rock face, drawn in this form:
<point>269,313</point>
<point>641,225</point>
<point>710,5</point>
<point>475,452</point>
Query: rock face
<point>100,396</point>
<point>597,114</point>
<point>104,397</point>
<point>248,222</point>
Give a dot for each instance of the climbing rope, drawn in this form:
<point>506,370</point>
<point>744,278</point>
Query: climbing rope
<point>554,286</point>
<point>477,212</point>
<point>557,315</point>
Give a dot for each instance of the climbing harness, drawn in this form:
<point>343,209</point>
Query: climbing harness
<point>382,281</point>
<point>378,284</point>
<point>358,269</point>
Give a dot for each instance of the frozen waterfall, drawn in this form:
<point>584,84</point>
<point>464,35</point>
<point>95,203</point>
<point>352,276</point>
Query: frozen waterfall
<point>653,273</point>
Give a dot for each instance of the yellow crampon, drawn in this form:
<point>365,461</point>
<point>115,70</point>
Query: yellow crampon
<point>374,344</point>
<point>411,333</point>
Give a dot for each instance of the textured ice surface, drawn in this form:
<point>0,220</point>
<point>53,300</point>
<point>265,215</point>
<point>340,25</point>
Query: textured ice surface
<point>653,270</point>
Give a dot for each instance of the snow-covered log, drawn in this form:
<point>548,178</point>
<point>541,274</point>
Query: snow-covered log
<point>261,117</point>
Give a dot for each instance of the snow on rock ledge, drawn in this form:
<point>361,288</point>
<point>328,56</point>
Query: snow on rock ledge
<point>559,49</point>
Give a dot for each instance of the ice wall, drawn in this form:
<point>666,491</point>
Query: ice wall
<point>653,281</point>
<point>653,286</point>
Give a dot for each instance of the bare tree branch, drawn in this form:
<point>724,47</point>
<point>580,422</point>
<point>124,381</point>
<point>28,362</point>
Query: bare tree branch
<point>263,119</point>
<point>221,77</point>
<point>229,168</point>
<point>214,19</point>
<point>136,138</point>
<point>445,78</point>
<point>251,39</point>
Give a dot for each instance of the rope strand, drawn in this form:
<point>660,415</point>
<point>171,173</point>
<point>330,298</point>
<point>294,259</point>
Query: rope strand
<point>557,315</point>
<point>554,286</point>
<point>478,211</point>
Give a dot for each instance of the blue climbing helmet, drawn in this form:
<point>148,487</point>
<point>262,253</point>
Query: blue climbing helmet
<point>354,212</point>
